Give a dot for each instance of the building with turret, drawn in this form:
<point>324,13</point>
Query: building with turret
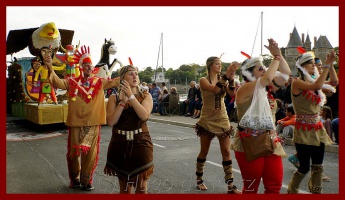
<point>321,47</point>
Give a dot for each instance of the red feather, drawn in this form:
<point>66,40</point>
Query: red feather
<point>246,55</point>
<point>130,61</point>
<point>301,50</point>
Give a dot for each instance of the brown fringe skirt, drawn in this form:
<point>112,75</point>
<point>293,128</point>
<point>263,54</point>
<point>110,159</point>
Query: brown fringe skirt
<point>201,131</point>
<point>130,160</point>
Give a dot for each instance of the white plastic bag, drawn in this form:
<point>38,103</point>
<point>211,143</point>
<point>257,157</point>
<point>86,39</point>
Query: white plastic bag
<point>259,115</point>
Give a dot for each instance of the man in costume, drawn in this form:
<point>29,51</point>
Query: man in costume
<point>86,114</point>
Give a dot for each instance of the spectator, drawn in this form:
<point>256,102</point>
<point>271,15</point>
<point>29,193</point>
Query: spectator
<point>198,103</point>
<point>144,87</point>
<point>164,100</point>
<point>163,87</point>
<point>155,92</point>
<point>286,125</point>
<point>280,112</point>
<point>190,101</point>
<point>326,118</point>
<point>287,95</point>
<point>335,129</point>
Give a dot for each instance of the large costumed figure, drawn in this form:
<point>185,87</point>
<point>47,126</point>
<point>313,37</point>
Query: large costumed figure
<point>35,39</point>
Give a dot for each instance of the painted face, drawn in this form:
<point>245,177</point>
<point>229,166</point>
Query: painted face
<point>87,68</point>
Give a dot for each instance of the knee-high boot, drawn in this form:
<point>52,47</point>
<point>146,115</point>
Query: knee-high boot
<point>295,181</point>
<point>315,180</point>
<point>200,164</point>
<point>229,177</point>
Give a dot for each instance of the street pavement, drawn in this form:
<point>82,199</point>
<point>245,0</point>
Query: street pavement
<point>32,146</point>
<point>45,131</point>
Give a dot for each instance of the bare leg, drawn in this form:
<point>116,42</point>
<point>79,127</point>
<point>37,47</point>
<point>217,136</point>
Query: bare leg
<point>141,187</point>
<point>125,188</point>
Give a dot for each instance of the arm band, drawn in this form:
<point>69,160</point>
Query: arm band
<point>218,84</point>
<point>275,84</point>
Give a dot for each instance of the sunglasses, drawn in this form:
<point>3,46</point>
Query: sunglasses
<point>261,69</point>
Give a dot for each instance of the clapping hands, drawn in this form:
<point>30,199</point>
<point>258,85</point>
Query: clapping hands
<point>273,47</point>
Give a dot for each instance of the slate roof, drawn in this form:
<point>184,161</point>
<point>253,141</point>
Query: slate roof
<point>295,39</point>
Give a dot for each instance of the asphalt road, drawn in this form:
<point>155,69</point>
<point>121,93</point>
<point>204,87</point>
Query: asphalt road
<point>38,166</point>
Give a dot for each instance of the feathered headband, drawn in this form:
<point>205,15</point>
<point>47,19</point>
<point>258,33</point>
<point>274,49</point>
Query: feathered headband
<point>310,56</point>
<point>249,63</point>
<point>83,56</point>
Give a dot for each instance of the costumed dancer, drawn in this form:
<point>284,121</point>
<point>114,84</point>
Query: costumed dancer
<point>86,114</point>
<point>310,136</point>
<point>130,151</point>
<point>268,168</point>
<point>214,121</point>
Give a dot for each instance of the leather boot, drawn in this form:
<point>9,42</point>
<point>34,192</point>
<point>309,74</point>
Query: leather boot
<point>315,180</point>
<point>295,181</point>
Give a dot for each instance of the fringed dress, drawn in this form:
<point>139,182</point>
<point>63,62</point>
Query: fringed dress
<point>214,120</point>
<point>130,151</point>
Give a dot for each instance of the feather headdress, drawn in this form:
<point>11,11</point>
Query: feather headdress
<point>249,63</point>
<point>83,56</point>
<point>310,56</point>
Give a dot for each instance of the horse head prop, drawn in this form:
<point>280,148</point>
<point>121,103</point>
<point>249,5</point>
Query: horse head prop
<point>104,65</point>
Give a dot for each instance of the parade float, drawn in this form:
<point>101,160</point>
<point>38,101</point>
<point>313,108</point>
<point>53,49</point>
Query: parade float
<point>22,88</point>
<point>24,84</point>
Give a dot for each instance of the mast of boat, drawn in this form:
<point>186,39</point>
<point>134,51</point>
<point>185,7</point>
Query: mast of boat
<point>260,22</point>
<point>262,27</point>
<point>159,49</point>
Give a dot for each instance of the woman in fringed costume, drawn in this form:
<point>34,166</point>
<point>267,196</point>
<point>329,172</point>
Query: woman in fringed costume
<point>130,151</point>
<point>310,137</point>
<point>268,168</point>
<point>214,120</point>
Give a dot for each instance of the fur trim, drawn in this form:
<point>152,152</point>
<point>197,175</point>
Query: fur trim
<point>309,78</point>
<point>305,57</point>
<point>250,63</point>
<point>284,76</point>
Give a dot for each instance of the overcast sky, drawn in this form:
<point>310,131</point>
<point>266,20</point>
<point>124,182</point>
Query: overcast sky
<point>190,34</point>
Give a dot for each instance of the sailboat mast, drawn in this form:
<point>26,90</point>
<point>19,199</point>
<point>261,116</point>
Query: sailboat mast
<point>159,50</point>
<point>262,22</point>
<point>162,54</point>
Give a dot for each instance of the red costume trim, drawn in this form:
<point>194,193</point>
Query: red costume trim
<point>83,92</point>
<point>305,126</point>
<point>314,97</point>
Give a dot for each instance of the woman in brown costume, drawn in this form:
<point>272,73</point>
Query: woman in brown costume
<point>310,136</point>
<point>214,120</point>
<point>130,151</point>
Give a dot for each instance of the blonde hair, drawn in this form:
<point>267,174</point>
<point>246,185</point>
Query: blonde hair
<point>124,70</point>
